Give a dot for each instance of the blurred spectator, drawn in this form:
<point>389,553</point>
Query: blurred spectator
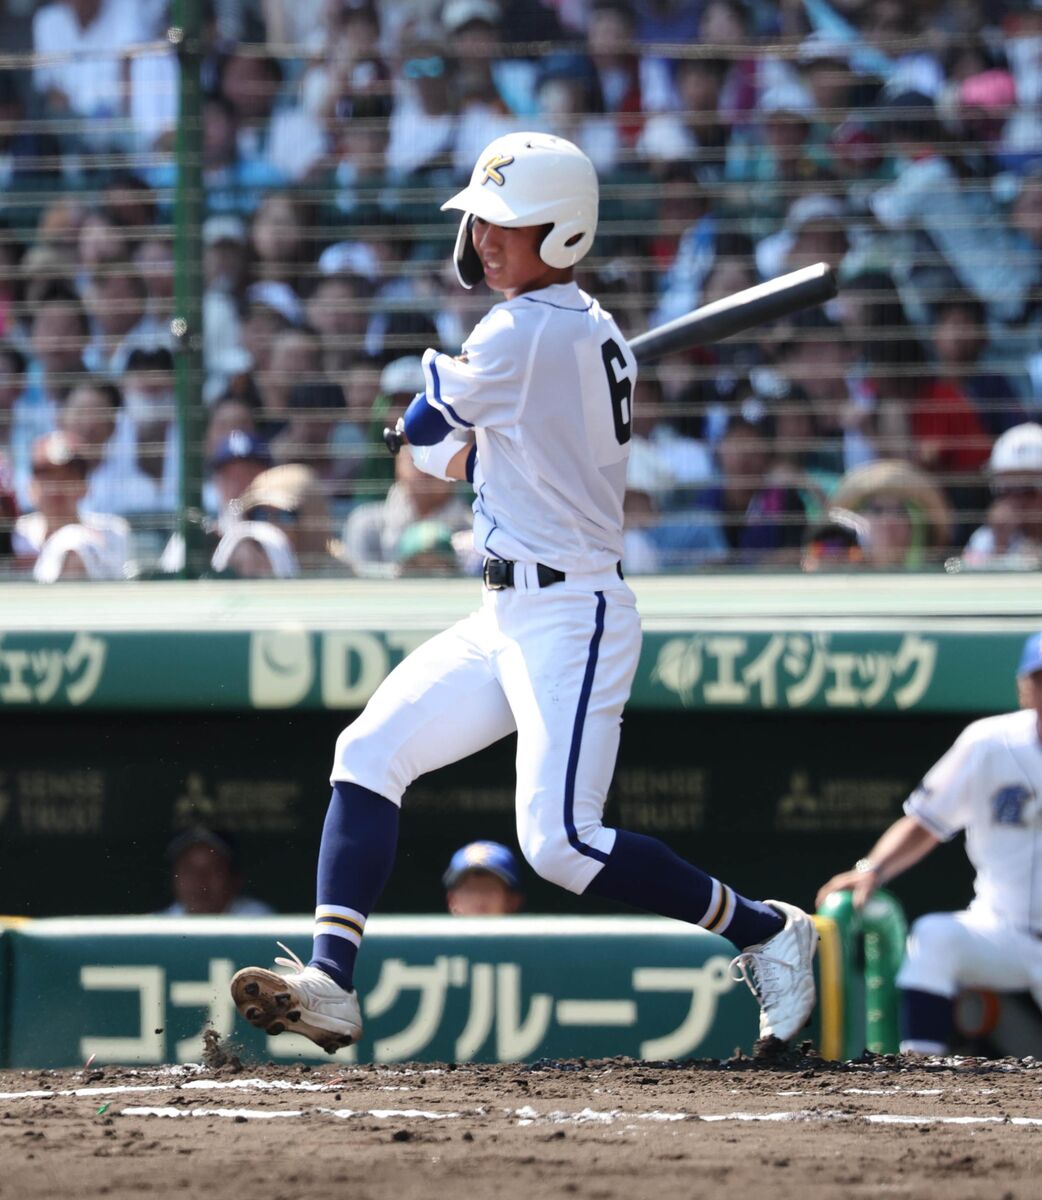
<point>291,498</point>
<point>12,385</point>
<point>372,531</point>
<point>140,472</point>
<point>117,303</point>
<point>423,120</point>
<point>338,309</point>
<point>837,543</point>
<point>154,260</point>
<point>814,232</point>
<point>427,548</point>
<point>29,156</point>
<point>236,172</point>
<point>288,138</point>
<point>487,66</point>
<point>302,25</point>
<point>1012,533</point>
<point>483,880</point>
<point>89,415</point>
<point>909,520</point>
<point>352,68</point>
<point>59,538</point>
<point>58,339</point>
<point>489,87</point>
<point>206,876</point>
<point>235,463</point>
<point>771,156</point>
<point>83,46</point>
<point>629,84</point>
<point>963,223</point>
<point>261,323</point>
<point>959,338</point>
<point>295,358</point>
<point>762,522</point>
<point>318,432</point>
<point>255,550</point>
<point>228,414</point>
<point>280,237</point>
<point>684,245</point>
<point>568,105</point>
<point>8,515</point>
<point>815,357</point>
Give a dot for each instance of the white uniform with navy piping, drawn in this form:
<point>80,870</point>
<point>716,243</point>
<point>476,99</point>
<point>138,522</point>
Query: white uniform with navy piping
<point>542,375</point>
<point>988,785</point>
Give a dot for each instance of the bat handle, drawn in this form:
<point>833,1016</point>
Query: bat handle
<point>394,439</point>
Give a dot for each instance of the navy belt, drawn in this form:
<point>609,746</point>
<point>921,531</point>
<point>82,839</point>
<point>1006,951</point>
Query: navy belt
<point>498,573</point>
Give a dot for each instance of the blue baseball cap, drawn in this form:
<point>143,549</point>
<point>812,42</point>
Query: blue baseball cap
<point>1031,656</point>
<point>493,857</point>
<point>240,446</point>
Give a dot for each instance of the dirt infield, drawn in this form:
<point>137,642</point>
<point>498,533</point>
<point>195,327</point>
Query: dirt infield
<point>951,1128</point>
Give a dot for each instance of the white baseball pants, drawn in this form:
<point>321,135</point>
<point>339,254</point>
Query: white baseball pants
<point>949,951</point>
<point>554,663</point>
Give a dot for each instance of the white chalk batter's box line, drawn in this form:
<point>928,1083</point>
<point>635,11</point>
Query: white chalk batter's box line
<point>525,1116</point>
<point>285,1085</point>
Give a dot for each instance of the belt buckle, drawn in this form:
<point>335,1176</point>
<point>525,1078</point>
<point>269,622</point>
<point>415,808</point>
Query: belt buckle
<point>498,574</point>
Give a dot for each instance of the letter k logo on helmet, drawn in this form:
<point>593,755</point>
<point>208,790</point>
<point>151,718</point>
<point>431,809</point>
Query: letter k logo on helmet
<point>492,168</point>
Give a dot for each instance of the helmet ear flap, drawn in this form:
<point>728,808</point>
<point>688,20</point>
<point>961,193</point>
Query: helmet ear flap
<point>566,243</point>
<point>469,270</point>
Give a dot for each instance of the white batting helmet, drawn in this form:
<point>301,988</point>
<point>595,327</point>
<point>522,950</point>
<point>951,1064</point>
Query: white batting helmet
<point>529,179</point>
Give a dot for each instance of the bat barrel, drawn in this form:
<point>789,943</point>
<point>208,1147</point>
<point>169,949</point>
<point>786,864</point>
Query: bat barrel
<point>781,297</point>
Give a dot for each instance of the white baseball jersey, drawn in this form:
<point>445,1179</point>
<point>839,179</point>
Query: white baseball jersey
<point>546,380</point>
<point>990,785</point>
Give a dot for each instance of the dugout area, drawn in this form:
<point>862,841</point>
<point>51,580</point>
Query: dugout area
<point>777,723</point>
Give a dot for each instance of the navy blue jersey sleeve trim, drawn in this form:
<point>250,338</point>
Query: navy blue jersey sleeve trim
<point>438,399</point>
<point>472,459</point>
<point>424,425</point>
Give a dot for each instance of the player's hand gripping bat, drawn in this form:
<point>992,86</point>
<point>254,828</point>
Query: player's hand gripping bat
<point>759,305</point>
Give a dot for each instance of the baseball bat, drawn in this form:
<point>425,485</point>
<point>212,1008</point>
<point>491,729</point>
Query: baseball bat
<point>759,305</point>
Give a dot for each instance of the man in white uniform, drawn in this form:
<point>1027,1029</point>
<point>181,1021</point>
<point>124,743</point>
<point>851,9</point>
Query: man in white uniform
<point>989,786</point>
<point>536,411</point>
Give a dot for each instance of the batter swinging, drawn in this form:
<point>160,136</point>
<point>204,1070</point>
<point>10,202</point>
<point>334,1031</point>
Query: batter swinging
<point>536,411</point>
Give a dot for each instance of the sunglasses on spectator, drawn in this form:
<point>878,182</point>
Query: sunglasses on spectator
<point>271,514</point>
<point>424,68</point>
<point>880,508</point>
<point>1021,491</point>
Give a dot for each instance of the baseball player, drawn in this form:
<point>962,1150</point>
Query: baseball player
<point>989,786</point>
<point>483,880</point>
<point>536,411</point>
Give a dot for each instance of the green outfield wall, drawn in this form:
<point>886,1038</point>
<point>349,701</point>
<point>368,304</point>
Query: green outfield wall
<point>434,989</point>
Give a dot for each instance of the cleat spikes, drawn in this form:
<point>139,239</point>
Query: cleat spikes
<point>294,1015</point>
<point>275,1028</point>
<point>252,989</point>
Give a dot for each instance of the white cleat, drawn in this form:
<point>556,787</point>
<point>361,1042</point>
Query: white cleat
<point>780,973</point>
<point>304,1000</point>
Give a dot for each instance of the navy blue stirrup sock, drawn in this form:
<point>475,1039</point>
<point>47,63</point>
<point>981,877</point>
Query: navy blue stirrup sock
<point>355,858</point>
<point>926,1017</point>
<point>645,873</point>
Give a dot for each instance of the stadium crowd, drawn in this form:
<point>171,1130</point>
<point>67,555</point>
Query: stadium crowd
<point>897,427</point>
